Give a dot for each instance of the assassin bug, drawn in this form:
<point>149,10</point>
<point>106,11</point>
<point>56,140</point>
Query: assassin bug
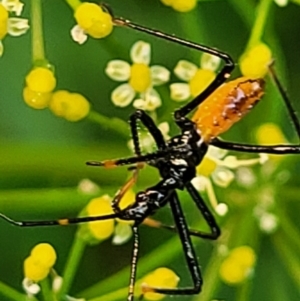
<point>218,107</point>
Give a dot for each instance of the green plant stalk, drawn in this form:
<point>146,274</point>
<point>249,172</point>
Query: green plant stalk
<point>12,294</point>
<point>73,3</point>
<point>71,266</point>
<point>37,40</point>
<point>46,290</point>
<point>115,295</point>
<point>288,257</point>
<point>115,124</point>
<point>257,31</point>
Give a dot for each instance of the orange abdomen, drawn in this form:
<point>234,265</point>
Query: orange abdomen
<point>227,105</point>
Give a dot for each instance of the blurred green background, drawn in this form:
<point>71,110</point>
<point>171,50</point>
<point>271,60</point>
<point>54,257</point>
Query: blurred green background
<point>42,157</point>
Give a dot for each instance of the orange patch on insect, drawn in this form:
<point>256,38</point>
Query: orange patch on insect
<point>109,164</point>
<point>227,105</point>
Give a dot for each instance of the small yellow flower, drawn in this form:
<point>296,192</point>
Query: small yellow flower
<point>11,25</point>
<point>255,61</point>
<point>197,78</point>
<point>44,255</point>
<point>41,80</point>
<point>97,207</point>
<point>33,271</point>
<point>140,79</point>
<point>36,100</point>
<point>94,232</point>
<point>270,133</point>
<point>237,267</point>
<point>160,278</point>
<point>37,266</point>
<point>91,20</point>
<point>71,106</point>
<point>181,5</point>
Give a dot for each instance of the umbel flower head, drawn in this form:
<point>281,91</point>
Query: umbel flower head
<point>38,94</point>
<point>13,26</point>
<point>140,78</point>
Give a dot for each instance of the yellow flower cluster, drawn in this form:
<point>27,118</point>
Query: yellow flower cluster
<point>91,20</point>
<point>255,61</point>
<point>40,82</point>
<point>71,106</point>
<point>181,5</point>
<point>38,265</point>
<point>38,94</point>
<point>238,265</point>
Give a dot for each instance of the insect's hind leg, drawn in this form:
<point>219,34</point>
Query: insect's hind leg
<point>189,252</point>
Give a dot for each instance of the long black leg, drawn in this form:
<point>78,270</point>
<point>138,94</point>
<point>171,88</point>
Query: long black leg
<point>190,255</point>
<point>209,218</point>
<point>220,78</point>
<point>134,259</point>
<point>268,149</point>
<point>58,222</point>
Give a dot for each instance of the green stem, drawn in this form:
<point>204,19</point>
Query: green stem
<point>70,270</point>
<point>73,3</point>
<point>119,294</point>
<point>114,124</point>
<point>260,22</point>
<point>46,290</point>
<point>38,51</point>
<point>288,257</point>
<point>11,294</point>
